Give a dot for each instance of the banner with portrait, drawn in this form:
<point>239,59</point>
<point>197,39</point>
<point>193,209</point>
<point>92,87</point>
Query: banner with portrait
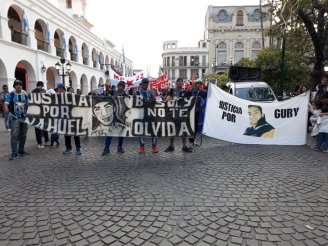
<point>240,121</point>
<point>130,116</point>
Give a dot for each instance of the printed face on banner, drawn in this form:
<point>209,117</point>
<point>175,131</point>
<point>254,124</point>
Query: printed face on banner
<point>255,114</point>
<point>108,116</point>
<point>104,112</point>
<point>259,126</point>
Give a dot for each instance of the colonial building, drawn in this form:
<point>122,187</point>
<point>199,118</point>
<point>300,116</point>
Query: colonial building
<point>231,33</point>
<point>234,32</point>
<point>35,35</point>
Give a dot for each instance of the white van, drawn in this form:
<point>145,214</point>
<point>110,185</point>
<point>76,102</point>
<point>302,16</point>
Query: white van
<point>244,83</point>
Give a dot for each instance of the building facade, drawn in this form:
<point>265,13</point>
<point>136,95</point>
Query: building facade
<point>185,62</point>
<point>35,35</point>
<point>233,33</point>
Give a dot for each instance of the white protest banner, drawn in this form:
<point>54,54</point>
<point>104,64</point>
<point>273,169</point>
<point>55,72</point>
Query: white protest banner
<point>129,81</point>
<point>72,114</point>
<point>236,120</point>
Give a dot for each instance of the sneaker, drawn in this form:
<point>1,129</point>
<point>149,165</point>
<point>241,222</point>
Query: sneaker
<point>78,151</point>
<point>186,149</point>
<point>142,149</point>
<point>120,150</point>
<point>325,151</point>
<point>105,152</point>
<point>316,149</point>
<point>39,146</point>
<point>169,149</point>
<point>8,130</point>
<point>67,151</point>
<point>13,157</point>
<point>155,149</point>
<point>46,144</point>
<point>23,152</point>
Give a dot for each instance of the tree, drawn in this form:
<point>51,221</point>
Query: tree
<point>221,79</point>
<point>309,20</point>
<point>246,62</point>
<point>297,72</point>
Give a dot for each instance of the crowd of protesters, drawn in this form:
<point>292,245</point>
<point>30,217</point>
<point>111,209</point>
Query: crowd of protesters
<point>14,107</point>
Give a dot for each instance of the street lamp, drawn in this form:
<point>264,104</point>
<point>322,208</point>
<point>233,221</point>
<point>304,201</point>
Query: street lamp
<point>214,65</point>
<point>60,67</point>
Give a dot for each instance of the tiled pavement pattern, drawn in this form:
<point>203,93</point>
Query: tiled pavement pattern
<point>221,194</point>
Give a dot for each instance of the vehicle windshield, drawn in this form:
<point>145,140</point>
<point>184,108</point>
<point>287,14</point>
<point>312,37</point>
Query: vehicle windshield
<point>255,94</point>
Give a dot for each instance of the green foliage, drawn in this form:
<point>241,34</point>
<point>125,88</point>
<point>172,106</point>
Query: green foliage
<point>221,79</point>
<point>304,23</point>
<point>296,72</point>
<point>246,62</point>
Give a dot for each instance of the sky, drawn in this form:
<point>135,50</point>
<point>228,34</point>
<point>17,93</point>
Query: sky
<point>142,26</point>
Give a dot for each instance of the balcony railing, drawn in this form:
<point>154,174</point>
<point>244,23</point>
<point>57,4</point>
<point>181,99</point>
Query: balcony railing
<point>42,45</point>
<point>85,61</point>
<point>59,52</point>
<point>73,57</point>
<point>18,37</point>
<point>201,65</point>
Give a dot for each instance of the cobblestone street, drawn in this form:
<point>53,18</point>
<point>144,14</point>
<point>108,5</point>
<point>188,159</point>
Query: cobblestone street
<point>221,194</point>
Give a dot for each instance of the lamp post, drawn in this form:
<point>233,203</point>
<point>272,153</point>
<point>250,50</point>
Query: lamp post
<point>214,65</point>
<point>61,67</point>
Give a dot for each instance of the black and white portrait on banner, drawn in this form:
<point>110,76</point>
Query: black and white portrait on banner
<point>109,116</point>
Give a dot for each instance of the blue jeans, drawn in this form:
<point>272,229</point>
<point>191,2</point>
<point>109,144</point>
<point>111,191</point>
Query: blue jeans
<point>18,134</point>
<point>108,141</point>
<point>321,141</point>
<point>153,140</point>
<point>7,121</point>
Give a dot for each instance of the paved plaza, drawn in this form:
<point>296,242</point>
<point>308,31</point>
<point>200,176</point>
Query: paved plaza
<point>221,194</point>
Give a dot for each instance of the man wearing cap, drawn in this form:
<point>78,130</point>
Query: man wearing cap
<point>38,132</point>
<point>147,95</point>
<point>119,92</point>
<point>16,105</point>
<point>174,94</point>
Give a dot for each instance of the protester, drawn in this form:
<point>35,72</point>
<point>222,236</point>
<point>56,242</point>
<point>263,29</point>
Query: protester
<point>119,92</point>
<point>147,95</point>
<point>16,104</point>
<point>322,90</point>
<point>322,136</point>
<point>68,139</point>
<point>54,137</point>
<point>199,93</point>
<point>3,96</point>
<point>38,132</point>
<point>174,94</point>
